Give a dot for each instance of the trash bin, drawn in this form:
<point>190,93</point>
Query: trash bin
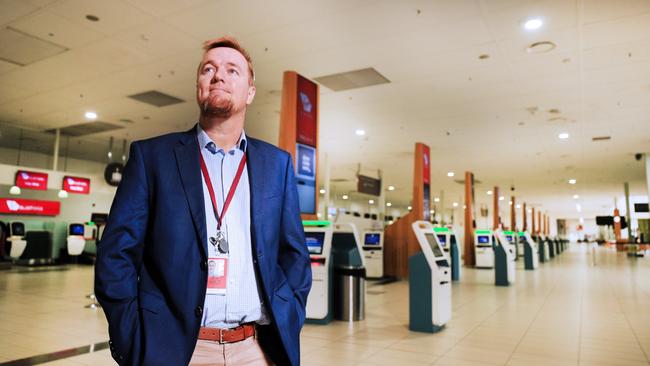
<point>349,293</point>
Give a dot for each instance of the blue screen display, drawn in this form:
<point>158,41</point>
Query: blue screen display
<point>76,229</point>
<point>483,239</point>
<point>314,241</point>
<point>442,238</point>
<point>372,239</point>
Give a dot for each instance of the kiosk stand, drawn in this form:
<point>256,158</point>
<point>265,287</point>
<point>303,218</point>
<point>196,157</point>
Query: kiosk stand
<point>447,239</point>
<point>551,247</point>
<point>76,240</point>
<point>373,243</point>
<point>504,260</point>
<point>318,237</point>
<point>17,240</point>
<point>531,251</point>
<point>484,249</point>
<point>429,282</point>
<point>511,236</point>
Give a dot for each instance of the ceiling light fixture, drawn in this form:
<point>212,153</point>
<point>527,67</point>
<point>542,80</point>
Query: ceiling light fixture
<point>63,194</point>
<point>489,193</point>
<point>501,198</point>
<point>371,202</point>
<point>388,204</point>
<point>563,135</point>
<point>450,174</point>
<point>360,132</point>
<point>322,191</point>
<point>455,204</point>
<point>90,115</point>
<point>518,206</point>
<point>572,181</point>
<point>409,208</point>
<point>541,47</point>
<point>15,190</point>
<point>533,24</point>
<point>437,199</point>
<point>391,188</point>
<point>575,196</point>
<point>345,197</point>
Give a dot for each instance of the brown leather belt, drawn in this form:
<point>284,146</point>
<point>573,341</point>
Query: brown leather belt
<point>227,335</point>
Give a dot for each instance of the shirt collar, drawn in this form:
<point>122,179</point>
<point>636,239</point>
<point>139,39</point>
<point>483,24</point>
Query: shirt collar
<point>205,140</point>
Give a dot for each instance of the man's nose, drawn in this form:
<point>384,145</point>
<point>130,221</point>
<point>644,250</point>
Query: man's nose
<point>219,75</point>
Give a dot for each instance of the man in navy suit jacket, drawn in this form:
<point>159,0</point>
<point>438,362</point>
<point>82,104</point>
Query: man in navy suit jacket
<point>151,275</point>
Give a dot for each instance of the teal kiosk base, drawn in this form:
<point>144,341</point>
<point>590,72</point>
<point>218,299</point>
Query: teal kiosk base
<point>420,294</point>
<point>500,266</point>
<point>528,258</point>
<point>542,250</point>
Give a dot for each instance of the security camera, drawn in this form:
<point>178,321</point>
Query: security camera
<point>512,188</point>
<point>638,156</point>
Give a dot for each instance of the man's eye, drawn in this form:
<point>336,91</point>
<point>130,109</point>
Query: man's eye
<point>208,69</point>
<point>233,71</point>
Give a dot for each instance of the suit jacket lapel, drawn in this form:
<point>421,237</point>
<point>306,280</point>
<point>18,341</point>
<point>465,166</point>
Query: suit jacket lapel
<point>187,161</point>
<point>256,166</point>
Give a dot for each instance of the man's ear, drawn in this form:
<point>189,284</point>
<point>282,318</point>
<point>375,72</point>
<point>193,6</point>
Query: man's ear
<point>251,94</point>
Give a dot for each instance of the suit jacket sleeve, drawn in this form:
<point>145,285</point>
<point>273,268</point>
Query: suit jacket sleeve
<point>293,255</point>
<point>119,256</point>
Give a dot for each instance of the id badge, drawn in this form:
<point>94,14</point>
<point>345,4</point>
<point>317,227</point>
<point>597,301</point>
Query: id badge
<point>217,275</point>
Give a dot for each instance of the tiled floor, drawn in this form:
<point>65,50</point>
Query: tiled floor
<point>568,312</point>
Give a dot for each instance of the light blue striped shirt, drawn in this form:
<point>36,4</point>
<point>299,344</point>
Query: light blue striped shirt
<point>242,302</point>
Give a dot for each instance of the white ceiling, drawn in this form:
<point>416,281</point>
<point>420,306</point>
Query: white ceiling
<point>488,116</point>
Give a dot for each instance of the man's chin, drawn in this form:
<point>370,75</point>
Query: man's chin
<point>223,110</point>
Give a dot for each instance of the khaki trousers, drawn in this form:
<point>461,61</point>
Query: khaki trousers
<point>247,352</point>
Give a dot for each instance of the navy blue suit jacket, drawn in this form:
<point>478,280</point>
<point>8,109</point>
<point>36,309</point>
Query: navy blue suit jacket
<point>151,270</point>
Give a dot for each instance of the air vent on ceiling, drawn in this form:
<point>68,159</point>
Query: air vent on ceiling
<point>340,180</point>
<point>601,138</point>
<point>156,98</point>
<point>87,128</point>
<point>22,49</point>
<point>462,181</point>
<point>352,79</point>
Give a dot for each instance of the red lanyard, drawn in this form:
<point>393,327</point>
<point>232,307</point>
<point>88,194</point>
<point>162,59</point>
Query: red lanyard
<point>231,192</point>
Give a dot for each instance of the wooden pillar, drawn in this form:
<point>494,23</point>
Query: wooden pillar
<point>532,222</point>
<point>617,225</point>
<point>400,241</point>
<point>495,208</point>
<point>513,214</point>
<point>470,255</point>
<point>539,222</point>
<point>299,125</point>
<point>524,218</point>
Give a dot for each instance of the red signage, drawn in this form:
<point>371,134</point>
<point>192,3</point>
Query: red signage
<point>15,206</point>
<point>31,180</point>
<point>307,112</point>
<point>426,170</point>
<point>76,185</point>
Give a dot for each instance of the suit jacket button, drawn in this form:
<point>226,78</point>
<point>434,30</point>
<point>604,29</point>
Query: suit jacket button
<point>198,311</point>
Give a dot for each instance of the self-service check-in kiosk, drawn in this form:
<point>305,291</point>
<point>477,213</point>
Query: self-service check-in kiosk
<point>429,282</point>
<point>550,246</point>
<point>76,240</point>
<point>512,239</point>
<point>447,239</point>
<point>349,273</point>
<point>17,239</point>
<point>544,249</point>
<point>373,252</point>
<point>504,260</point>
<point>318,237</point>
<point>483,249</point>
<point>531,250</point>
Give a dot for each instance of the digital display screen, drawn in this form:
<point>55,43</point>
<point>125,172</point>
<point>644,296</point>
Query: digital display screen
<point>442,239</point>
<point>314,241</point>
<point>17,229</point>
<point>76,229</point>
<point>372,239</point>
<point>483,239</point>
<point>434,245</point>
<point>510,238</point>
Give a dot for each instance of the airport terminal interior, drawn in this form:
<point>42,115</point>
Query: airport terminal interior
<point>472,175</point>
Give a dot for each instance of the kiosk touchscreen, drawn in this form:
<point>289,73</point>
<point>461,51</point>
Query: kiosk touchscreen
<point>504,260</point>
<point>17,239</point>
<point>531,251</point>
<point>483,249</point>
<point>75,239</point>
<point>447,239</point>
<point>373,243</point>
<point>318,238</point>
<point>429,282</point>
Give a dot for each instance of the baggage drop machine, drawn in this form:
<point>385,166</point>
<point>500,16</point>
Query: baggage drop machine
<point>447,239</point>
<point>512,239</point>
<point>531,251</point>
<point>504,260</point>
<point>429,282</point>
<point>483,242</point>
<point>318,237</point>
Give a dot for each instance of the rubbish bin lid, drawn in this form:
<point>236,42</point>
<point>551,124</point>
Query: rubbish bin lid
<point>355,271</point>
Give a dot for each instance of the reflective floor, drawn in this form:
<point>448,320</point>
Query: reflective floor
<point>578,309</point>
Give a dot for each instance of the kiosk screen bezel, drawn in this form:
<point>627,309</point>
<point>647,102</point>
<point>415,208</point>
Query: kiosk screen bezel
<point>442,239</point>
<point>483,239</point>
<point>437,251</point>
<point>376,239</point>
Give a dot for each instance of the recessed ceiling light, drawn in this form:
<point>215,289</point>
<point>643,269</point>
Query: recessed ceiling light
<point>489,193</point>
<point>541,47</point>
<point>437,199</point>
<point>518,206</point>
<point>322,191</point>
<point>450,174</point>
<point>484,56</point>
<point>572,181</point>
<point>533,24</point>
<point>92,18</point>
<point>575,196</point>
<point>409,208</point>
<point>455,204</point>
<point>90,115</point>
<point>582,220</point>
<point>391,188</point>
<point>345,197</point>
<point>360,132</point>
<point>388,204</point>
<point>563,135</point>
<point>501,198</point>
<point>432,211</point>
<point>510,203</point>
<point>371,201</point>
